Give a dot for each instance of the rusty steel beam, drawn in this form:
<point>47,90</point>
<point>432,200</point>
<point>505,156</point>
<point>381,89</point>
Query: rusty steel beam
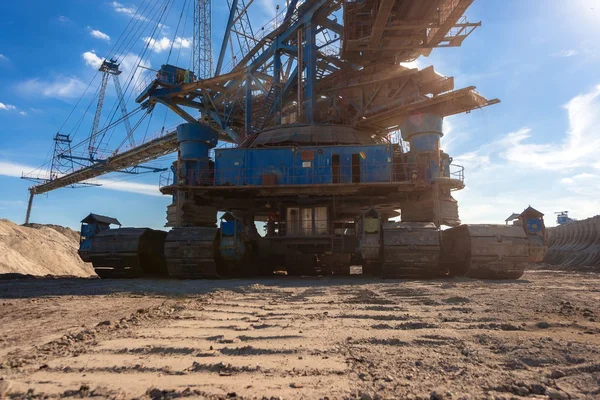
<point>396,113</point>
<point>383,14</point>
<point>450,13</point>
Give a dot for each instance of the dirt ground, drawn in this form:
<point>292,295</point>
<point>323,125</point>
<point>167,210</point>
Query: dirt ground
<point>353,337</point>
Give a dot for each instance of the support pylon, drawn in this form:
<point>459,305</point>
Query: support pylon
<point>109,67</point>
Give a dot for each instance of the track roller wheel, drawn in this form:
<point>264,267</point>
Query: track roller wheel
<point>485,251</point>
<point>128,253</point>
<point>411,250</point>
<point>190,253</point>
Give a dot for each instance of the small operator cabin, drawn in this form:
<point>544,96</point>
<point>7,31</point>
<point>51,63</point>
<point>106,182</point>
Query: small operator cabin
<point>90,226</point>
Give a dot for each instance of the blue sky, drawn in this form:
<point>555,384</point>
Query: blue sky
<point>540,146</point>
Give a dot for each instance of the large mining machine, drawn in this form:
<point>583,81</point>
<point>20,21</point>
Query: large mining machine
<point>334,145</point>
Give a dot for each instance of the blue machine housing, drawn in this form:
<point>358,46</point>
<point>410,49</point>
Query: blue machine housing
<point>534,225</point>
<point>170,75</point>
<point>304,165</point>
<point>87,232</point>
<point>231,245</point>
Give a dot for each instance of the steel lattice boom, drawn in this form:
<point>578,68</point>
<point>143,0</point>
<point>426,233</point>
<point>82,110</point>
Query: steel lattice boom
<point>202,38</point>
<point>123,108</point>
<point>97,116</point>
<point>133,157</point>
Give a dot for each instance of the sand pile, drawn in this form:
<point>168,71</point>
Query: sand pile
<point>40,250</point>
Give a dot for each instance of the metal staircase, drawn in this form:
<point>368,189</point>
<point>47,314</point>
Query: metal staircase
<point>400,168</point>
<point>266,108</point>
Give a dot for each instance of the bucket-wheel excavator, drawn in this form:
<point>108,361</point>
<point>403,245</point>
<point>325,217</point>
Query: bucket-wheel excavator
<point>334,145</point>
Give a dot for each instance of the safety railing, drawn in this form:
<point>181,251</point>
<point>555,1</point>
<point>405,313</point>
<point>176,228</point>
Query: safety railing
<point>457,172</point>
<point>311,175</point>
<point>143,81</point>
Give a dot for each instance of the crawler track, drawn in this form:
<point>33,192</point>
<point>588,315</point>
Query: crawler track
<point>485,251</point>
<point>190,253</point>
<point>411,250</point>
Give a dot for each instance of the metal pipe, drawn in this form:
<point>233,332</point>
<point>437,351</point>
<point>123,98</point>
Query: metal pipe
<point>300,72</point>
<point>177,181</point>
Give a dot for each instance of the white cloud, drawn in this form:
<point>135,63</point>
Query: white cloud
<point>510,173</point>
<point>164,29</point>
<point>63,19</point>
<point>185,43</point>
<point>127,10</point>
<point>565,53</point>
<point>7,107</point>
<point>10,107</point>
<point>583,184</point>
<point>158,45</point>
<point>61,87</point>
<point>98,34</point>
<point>130,63</point>
<point>451,138</point>
<point>131,187</point>
<point>473,160</point>
<point>92,59</point>
<point>64,87</point>
<point>3,57</point>
<point>122,9</point>
<point>15,170</point>
<point>165,43</point>
<point>579,148</point>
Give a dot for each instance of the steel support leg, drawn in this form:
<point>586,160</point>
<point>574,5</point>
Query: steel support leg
<point>300,74</point>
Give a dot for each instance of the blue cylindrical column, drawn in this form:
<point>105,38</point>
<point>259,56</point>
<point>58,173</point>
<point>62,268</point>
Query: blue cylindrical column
<point>195,142</point>
<point>423,132</point>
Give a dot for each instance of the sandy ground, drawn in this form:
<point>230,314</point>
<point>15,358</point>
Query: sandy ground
<point>352,337</point>
<point>40,250</point>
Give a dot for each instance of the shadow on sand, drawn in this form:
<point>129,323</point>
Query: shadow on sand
<point>14,286</point>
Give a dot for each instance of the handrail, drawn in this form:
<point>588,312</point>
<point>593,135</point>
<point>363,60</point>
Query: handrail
<point>370,173</point>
